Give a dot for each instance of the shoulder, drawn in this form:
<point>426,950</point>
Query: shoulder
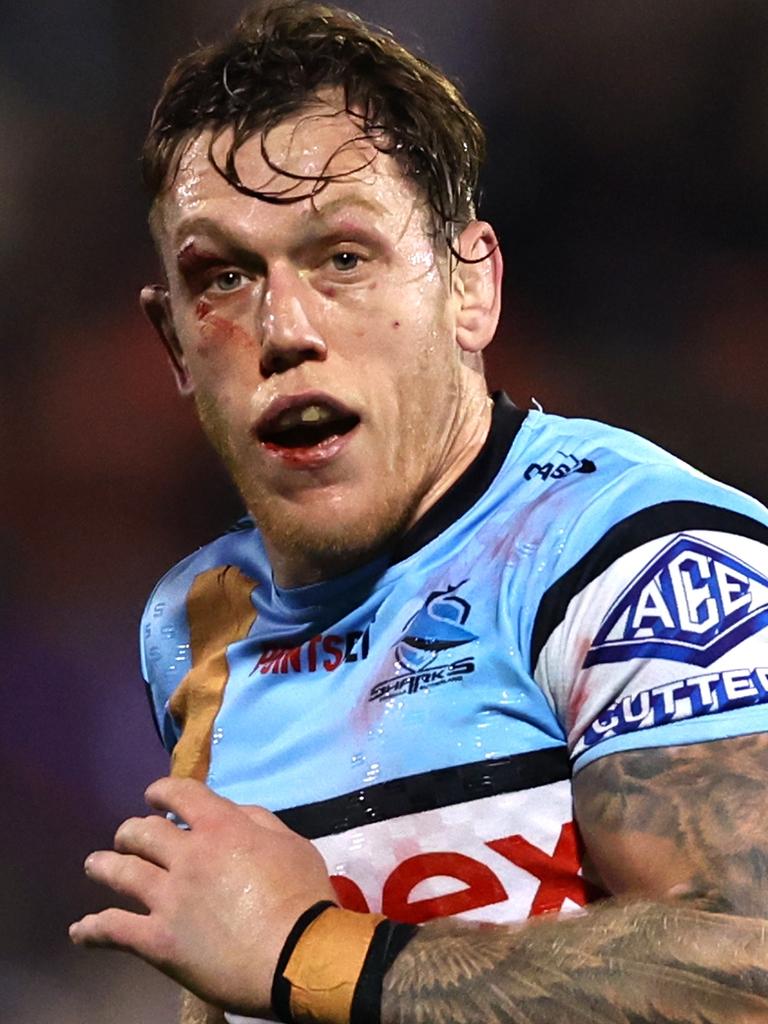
<point>182,606</point>
<point>240,547</point>
<point>591,478</point>
<point>661,583</point>
<point>596,499</point>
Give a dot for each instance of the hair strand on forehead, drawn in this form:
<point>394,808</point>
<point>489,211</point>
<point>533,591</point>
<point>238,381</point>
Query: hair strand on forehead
<point>278,59</point>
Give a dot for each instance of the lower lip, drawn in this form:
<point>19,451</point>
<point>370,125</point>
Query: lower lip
<point>313,457</point>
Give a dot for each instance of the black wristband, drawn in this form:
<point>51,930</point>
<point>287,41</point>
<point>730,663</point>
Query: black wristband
<point>281,988</point>
<point>389,939</point>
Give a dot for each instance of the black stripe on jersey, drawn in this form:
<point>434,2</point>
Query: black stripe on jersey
<point>506,421</point>
<point>428,791</point>
<point>650,523</point>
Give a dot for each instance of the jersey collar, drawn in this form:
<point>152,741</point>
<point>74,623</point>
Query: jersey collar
<point>506,420</point>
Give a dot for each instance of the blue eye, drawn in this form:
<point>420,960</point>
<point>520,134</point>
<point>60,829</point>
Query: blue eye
<point>228,281</point>
<point>345,260</point>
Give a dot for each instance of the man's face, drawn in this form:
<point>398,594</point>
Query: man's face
<point>317,337</point>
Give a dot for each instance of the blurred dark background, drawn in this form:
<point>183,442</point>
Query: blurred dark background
<point>628,179</point>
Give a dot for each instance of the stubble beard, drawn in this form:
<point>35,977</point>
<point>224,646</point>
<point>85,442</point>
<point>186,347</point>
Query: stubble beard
<point>327,543</point>
<point>324,543</point>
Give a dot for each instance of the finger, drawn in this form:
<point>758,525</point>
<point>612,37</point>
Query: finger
<point>114,929</point>
<point>127,875</point>
<point>154,839</point>
<point>188,799</point>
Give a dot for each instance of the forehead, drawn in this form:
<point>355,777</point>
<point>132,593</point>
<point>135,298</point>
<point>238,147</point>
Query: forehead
<point>323,141</point>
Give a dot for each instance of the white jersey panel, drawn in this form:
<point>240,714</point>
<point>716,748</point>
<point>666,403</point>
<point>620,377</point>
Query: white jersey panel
<point>497,860</point>
<point>672,633</point>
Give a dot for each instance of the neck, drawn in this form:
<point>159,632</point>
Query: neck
<point>465,436</point>
<point>468,437</point>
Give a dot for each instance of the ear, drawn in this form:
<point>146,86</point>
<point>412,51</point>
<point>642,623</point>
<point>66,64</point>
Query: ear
<point>477,286</point>
<point>157,309</point>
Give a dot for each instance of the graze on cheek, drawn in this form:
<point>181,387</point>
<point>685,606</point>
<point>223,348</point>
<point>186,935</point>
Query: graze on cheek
<point>218,330</point>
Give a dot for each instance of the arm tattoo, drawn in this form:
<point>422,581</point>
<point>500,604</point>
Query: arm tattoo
<point>679,835</point>
<point>618,964</point>
<point>698,811</point>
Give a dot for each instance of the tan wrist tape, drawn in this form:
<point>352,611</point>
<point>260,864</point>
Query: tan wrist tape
<point>326,964</point>
<point>333,965</point>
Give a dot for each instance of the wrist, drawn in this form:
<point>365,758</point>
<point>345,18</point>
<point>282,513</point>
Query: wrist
<point>332,966</point>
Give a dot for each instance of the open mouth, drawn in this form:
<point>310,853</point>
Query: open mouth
<point>306,426</point>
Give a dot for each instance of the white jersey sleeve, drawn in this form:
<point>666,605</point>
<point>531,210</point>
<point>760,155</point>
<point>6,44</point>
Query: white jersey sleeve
<point>659,634</point>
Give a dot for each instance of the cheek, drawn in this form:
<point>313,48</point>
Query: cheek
<point>219,334</point>
<point>223,360</point>
<point>224,412</point>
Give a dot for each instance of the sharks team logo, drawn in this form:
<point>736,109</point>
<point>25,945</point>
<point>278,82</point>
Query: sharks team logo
<point>692,603</point>
<point>438,626</point>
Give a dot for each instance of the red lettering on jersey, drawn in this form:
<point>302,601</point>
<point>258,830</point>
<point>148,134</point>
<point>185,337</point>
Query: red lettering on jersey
<point>482,887</point>
<point>353,646</point>
<point>267,660</point>
<point>332,646</point>
<point>279,659</point>
<point>291,660</point>
<point>350,894</point>
<point>312,655</point>
<point>558,874</point>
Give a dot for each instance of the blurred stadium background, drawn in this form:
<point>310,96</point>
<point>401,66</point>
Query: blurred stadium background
<point>628,179</point>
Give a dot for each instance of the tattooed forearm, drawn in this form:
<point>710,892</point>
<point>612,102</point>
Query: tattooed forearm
<point>618,964</point>
<point>679,835</point>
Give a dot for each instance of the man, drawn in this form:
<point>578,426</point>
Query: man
<point>437,605</point>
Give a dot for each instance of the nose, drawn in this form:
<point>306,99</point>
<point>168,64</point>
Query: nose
<point>288,336</point>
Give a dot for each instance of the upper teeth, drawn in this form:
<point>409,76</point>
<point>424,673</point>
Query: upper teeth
<point>308,414</point>
<point>313,414</point>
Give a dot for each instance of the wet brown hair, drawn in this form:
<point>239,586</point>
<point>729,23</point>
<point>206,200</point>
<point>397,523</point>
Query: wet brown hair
<point>273,63</point>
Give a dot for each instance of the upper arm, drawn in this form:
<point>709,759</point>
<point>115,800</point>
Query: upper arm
<point>655,658</point>
<point>681,821</point>
<point>194,1011</point>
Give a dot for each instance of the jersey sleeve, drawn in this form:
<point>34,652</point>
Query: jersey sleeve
<point>658,632</point>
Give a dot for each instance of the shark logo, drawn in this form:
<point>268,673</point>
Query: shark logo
<point>436,627</point>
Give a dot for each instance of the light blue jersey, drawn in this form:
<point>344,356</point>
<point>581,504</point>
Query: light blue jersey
<point>577,592</point>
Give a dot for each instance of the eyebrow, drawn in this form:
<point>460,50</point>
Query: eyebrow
<point>346,202</point>
<point>196,226</point>
<point>191,258</point>
<point>212,227</point>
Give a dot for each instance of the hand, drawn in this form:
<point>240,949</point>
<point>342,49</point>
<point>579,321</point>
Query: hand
<point>221,895</point>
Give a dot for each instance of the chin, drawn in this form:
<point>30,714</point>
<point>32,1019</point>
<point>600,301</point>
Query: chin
<point>327,538</point>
